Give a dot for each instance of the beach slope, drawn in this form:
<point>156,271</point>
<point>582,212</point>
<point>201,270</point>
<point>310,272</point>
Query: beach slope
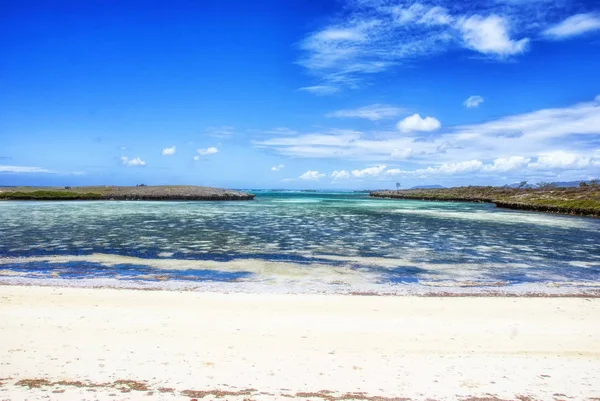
<point>67,343</point>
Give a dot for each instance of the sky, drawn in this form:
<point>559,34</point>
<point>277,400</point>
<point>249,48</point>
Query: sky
<point>348,94</point>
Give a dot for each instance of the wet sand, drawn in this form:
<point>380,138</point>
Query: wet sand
<point>133,344</point>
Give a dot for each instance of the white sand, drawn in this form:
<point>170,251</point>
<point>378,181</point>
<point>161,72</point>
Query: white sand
<point>438,348</point>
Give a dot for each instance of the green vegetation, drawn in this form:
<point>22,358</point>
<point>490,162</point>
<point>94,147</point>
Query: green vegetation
<point>48,195</point>
<point>582,200</point>
<point>139,192</point>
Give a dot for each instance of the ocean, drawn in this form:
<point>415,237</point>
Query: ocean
<point>299,242</point>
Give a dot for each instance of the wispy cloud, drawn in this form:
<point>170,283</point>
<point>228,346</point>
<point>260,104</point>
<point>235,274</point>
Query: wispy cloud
<point>369,37</point>
<point>135,162</point>
<point>373,112</point>
<point>220,132</point>
<point>311,175</point>
<point>372,36</point>
<point>168,151</point>
<point>278,167</point>
<point>546,140</point>
<point>320,90</point>
<point>473,101</point>
<point>24,169</point>
<point>574,26</point>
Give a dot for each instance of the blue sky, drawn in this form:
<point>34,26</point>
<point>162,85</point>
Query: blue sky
<point>347,94</point>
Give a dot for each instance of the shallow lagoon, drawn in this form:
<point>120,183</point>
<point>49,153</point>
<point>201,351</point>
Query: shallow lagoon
<point>300,240</point>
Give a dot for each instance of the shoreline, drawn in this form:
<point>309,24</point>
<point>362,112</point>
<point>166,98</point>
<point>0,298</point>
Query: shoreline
<point>576,201</point>
<point>166,344</point>
<point>123,193</point>
<point>540,290</point>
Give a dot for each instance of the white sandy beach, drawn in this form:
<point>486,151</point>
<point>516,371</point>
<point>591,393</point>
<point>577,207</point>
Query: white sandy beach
<point>179,345</point>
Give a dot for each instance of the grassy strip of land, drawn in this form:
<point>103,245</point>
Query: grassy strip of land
<point>583,201</point>
<point>48,195</point>
<point>176,193</point>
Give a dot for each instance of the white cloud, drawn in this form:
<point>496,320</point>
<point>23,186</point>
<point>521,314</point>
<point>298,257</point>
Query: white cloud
<point>402,153</point>
<point>340,175</point>
<point>23,169</point>
<point>168,151</point>
<point>573,26</point>
<point>465,167</point>
<point>436,16</point>
<point>561,160</point>
<point>220,132</point>
<point>132,162</point>
<point>196,158</point>
<point>502,165</point>
<point>320,90</point>
<point>512,145</point>
<point>416,123</point>
<point>312,175</point>
<point>278,167</point>
<point>473,101</point>
<point>208,151</point>
<point>372,112</point>
<point>369,172</point>
<point>281,131</point>
<point>489,35</point>
<point>370,37</point>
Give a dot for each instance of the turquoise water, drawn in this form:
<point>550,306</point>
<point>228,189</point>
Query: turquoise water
<point>305,240</point>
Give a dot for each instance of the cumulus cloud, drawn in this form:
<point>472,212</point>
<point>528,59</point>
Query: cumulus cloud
<point>278,167</point>
<point>369,172</point>
<point>523,166</point>
<point>312,175</point>
<point>207,151</point>
<point>135,162</point>
<point>489,35</point>
<point>457,168</point>
<point>417,123</point>
<point>23,169</point>
<point>320,90</point>
<point>473,101</point>
<point>168,151</point>
<point>340,175</point>
<point>502,165</point>
<point>563,160</point>
<point>372,112</point>
<point>573,26</point>
<point>536,136</point>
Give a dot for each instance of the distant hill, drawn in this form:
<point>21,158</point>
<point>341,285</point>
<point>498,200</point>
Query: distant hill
<point>429,187</point>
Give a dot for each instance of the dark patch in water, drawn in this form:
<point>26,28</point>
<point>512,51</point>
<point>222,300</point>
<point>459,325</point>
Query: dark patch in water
<point>86,270</point>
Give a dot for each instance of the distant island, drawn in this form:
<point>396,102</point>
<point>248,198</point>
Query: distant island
<point>130,193</point>
<point>583,200</point>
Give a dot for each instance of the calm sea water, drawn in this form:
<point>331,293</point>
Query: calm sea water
<point>299,240</point>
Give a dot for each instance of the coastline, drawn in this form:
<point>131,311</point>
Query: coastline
<point>300,288</point>
<point>168,344</point>
<point>137,193</point>
<point>575,201</point>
